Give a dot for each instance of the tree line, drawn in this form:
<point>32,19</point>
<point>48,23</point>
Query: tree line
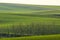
<point>31,29</point>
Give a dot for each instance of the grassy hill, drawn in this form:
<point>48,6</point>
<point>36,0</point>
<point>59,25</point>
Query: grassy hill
<point>27,13</point>
<point>23,19</point>
<point>8,7</point>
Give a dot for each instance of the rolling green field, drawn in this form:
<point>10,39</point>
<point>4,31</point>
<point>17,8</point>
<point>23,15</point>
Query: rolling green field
<point>21,19</point>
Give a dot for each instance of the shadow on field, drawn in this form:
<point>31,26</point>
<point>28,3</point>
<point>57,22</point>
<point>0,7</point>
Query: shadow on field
<point>39,15</point>
<point>12,35</point>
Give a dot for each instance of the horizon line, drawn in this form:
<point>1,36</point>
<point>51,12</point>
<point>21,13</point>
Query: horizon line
<point>31,4</point>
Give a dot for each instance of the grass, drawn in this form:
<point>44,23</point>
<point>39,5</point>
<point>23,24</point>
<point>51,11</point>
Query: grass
<point>17,18</point>
<point>30,16</point>
<point>45,37</point>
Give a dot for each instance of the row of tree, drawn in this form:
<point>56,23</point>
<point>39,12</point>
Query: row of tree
<point>31,29</point>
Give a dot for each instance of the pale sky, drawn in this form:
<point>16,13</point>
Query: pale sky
<point>39,2</point>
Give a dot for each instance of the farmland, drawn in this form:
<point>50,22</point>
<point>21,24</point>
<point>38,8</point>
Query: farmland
<point>29,20</point>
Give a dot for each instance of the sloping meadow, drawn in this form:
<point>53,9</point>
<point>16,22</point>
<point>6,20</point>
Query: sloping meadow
<point>28,20</point>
